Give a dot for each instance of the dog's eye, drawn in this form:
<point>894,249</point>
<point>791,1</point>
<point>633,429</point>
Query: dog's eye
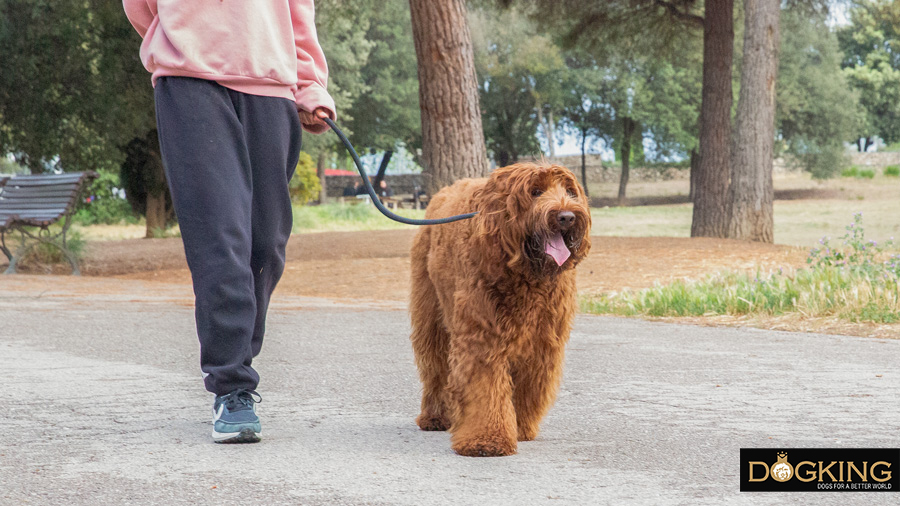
<point>536,192</point>
<point>572,193</point>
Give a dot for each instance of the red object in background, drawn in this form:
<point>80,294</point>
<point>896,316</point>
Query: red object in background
<point>339,172</point>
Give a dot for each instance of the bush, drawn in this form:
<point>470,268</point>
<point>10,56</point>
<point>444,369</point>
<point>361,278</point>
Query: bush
<point>867,174</point>
<point>892,171</point>
<point>850,172</point>
<point>853,281</point>
<point>102,203</point>
<point>49,254</point>
<point>305,185</point>
<point>822,162</point>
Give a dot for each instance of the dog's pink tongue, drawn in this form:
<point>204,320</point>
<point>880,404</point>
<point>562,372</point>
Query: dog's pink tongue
<point>556,248</point>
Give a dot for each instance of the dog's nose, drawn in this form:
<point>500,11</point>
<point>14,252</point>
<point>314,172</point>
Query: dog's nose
<point>565,219</point>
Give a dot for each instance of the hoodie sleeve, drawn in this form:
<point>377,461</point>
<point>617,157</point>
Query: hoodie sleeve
<point>141,13</point>
<point>312,70</point>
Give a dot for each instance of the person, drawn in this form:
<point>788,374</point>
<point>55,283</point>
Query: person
<point>351,190</point>
<point>384,190</point>
<point>234,82</point>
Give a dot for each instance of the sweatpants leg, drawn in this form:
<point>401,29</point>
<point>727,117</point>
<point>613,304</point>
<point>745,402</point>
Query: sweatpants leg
<point>228,158</point>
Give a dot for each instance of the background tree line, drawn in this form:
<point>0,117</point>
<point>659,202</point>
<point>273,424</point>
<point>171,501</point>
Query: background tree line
<point>719,86</point>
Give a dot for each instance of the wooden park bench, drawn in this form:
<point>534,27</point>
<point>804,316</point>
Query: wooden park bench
<point>39,201</point>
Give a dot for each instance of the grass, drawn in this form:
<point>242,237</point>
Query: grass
<point>347,217</point>
<point>857,281</point>
<point>797,222</point>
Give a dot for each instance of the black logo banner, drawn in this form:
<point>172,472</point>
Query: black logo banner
<point>820,470</point>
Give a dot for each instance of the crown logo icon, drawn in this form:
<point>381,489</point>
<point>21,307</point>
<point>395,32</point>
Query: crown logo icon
<point>782,470</point>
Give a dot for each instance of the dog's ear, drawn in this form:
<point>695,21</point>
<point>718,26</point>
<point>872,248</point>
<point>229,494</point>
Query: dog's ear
<point>500,202</point>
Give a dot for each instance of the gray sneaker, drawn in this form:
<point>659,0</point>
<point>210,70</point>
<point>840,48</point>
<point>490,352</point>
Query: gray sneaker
<point>234,417</point>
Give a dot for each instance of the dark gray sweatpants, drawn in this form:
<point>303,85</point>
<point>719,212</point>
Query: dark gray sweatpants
<point>229,157</point>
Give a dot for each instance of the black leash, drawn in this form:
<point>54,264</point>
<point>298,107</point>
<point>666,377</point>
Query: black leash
<point>371,191</point>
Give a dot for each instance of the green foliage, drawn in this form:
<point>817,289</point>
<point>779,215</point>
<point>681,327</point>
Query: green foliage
<point>49,254</point>
<point>816,109</point>
<point>892,171</point>
<point>855,252</point>
<point>387,113</point>
<point>71,87</point>
<point>850,281</point>
<point>102,205</point>
<point>347,217</point>
<point>852,171</point>
<point>871,46</point>
<point>858,173</point>
<point>8,166</point>
<point>518,72</point>
<point>822,161</point>
<point>305,185</point>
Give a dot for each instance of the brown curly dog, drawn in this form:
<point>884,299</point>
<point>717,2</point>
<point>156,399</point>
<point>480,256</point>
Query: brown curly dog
<point>492,303</point>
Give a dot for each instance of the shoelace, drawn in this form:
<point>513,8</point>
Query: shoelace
<point>241,399</point>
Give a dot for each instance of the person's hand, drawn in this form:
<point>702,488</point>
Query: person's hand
<point>314,118</point>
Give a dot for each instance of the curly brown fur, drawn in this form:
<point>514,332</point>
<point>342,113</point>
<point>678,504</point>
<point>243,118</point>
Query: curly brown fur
<point>491,310</point>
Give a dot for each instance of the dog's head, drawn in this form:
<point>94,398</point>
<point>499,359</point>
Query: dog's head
<point>533,219</point>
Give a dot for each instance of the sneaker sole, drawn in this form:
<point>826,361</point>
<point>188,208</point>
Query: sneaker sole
<point>244,436</point>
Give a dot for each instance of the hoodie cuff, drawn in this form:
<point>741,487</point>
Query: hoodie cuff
<point>311,98</point>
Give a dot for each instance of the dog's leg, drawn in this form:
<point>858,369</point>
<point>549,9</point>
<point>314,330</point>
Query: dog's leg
<point>484,422</point>
<point>430,341</point>
<point>535,383</point>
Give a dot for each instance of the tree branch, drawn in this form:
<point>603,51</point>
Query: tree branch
<point>684,16</point>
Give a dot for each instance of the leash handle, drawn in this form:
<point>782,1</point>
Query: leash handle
<point>374,196</point>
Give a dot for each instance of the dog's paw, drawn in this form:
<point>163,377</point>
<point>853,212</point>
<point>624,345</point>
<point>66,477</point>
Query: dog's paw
<point>485,447</point>
<point>527,434</point>
<point>431,422</point>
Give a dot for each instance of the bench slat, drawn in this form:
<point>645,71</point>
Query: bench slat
<point>16,197</point>
<point>42,188</point>
<point>20,204</point>
<point>46,179</point>
<point>48,206</point>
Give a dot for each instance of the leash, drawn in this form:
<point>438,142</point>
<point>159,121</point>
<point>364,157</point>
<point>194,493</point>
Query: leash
<point>374,196</point>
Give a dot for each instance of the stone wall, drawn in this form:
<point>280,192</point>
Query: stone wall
<point>598,172</point>
<point>401,184</point>
<point>875,160</point>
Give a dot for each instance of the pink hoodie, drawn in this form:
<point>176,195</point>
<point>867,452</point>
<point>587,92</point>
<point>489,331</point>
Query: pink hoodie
<point>266,47</point>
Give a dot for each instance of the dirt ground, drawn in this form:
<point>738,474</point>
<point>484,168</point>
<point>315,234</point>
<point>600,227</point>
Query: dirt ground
<point>375,264</point>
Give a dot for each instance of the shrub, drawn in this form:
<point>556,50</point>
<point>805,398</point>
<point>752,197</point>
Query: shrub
<point>102,203</point>
<point>852,281</point>
<point>892,171</point>
<point>305,185</point>
<point>867,174</point>
<point>48,254</point>
<point>852,171</point>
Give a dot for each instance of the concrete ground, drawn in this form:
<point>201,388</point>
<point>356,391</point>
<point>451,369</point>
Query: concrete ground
<point>103,404</point>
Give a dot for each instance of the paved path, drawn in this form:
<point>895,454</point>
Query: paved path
<point>103,404</point>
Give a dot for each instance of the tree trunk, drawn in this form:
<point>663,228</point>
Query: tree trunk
<point>752,193</point>
<point>156,189</point>
<point>385,160</point>
<point>320,173</point>
<point>584,162</point>
<point>711,190</point>
<point>695,171</point>
<point>452,135</point>
<point>628,127</point>
<point>549,132</point>
<point>868,145</point>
